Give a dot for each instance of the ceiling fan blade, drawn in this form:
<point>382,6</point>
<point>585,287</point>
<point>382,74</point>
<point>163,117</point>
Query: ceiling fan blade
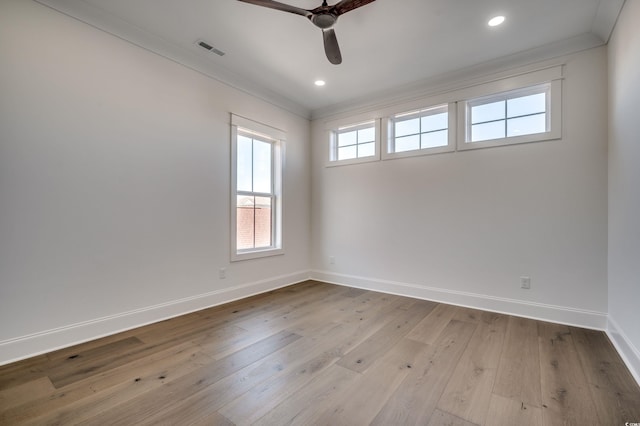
<point>331,47</point>
<point>279,6</point>
<point>347,5</point>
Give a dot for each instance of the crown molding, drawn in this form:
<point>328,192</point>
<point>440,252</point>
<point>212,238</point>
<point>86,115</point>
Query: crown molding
<point>194,59</point>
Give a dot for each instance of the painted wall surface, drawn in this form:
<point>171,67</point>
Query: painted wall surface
<point>115,176</point>
<point>476,221</point>
<point>624,178</point>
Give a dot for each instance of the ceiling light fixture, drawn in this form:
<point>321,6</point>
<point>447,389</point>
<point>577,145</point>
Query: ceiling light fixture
<point>495,21</point>
<point>320,83</point>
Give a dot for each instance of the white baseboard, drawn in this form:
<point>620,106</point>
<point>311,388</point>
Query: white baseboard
<point>627,350</point>
<point>538,311</point>
<point>22,347</point>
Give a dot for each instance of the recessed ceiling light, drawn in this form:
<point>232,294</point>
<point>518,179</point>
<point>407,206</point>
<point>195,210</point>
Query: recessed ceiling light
<point>320,83</point>
<point>495,21</point>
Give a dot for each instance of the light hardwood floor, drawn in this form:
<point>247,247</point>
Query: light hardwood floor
<point>316,353</point>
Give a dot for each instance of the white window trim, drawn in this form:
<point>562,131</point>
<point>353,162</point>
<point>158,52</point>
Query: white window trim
<point>388,131</point>
<point>333,128</point>
<point>457,100</point>
<point>553,116</point>
<point>278,138</point>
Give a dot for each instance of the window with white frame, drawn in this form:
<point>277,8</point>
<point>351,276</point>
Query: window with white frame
<point>355,142</point>
<point>523,115</point>
<point>522,108</point>
<point>419,132</point>
<point>256,189</point>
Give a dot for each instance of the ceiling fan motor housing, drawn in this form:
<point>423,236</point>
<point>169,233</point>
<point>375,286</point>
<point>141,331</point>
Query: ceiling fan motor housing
<point>323,17</point>
<point>324,20</point>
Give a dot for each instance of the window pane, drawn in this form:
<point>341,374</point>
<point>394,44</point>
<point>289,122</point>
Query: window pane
<point>486,131</point>
<point>487,112</point>
<point>244,158</point>
<point>367,135</point>
<point>261,166</point>
<point>407,127</point>
<point>262,224</point>
<point>348,138</point>
<point>347,153</point>
<point>435,139</point>
<point>245,229</point>
<point>407,143</point>
<point>366,150</point>
<point>526,105</point>
<point>527,125</point>
<point>435,122</point>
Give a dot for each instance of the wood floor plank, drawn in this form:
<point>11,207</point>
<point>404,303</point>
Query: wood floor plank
<point>468,392</point>
<point>234,312</point>
<point>290,314</point>
<point>518,374</point>
<point>134,410</point>
<point>85,347</point>
<point>415,399</point>
<point>363,308</point>
<point>468,315</point>
<point>615,395</point>
<point>283,368</point>
<point>441,418</point>
<point>25,392</point>
<point>365,354</point>
<point>304,363</point>
<point>208,400</point>
<point>509,412</point>
<point>143,372</point>
<point>76,403</point>
<point>324,390</point>
<point>83,364</point>
<point>334,339</point>
<point>429,329</point>
<point>328,347</point>
<point>362,400</point>
<point>565,392</point>
<point>213,319</point>
<point>22,372</point>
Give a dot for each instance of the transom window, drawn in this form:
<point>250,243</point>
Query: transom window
<point>519,109</point>
<point>509,115</point>
<point>356,141</point>
<point>422,129</point>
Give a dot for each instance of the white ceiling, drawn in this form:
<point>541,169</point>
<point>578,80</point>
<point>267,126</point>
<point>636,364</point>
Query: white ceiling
<point>386,45</point>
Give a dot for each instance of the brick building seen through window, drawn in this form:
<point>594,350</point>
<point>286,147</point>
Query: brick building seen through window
<point>253,222</point>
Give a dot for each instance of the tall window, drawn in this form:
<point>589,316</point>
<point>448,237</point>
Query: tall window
<point>257,199</point>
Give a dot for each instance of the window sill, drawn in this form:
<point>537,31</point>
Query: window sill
<point>256,254</point>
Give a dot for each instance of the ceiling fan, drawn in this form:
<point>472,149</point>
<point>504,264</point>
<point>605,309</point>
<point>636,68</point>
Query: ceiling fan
<point>323,17</point>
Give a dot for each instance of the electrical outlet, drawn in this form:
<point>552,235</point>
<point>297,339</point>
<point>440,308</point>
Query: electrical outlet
<point>332,260</point>
<point>222,273</point>
<point>525,283</point>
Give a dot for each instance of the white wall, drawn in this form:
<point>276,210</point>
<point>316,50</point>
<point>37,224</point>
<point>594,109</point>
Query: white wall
<point>114,185</point>
<point>624,185</point>
<point>463,227</point>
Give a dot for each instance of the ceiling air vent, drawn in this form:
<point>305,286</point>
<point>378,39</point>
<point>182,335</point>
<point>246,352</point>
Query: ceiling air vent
<point>203,44</point>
